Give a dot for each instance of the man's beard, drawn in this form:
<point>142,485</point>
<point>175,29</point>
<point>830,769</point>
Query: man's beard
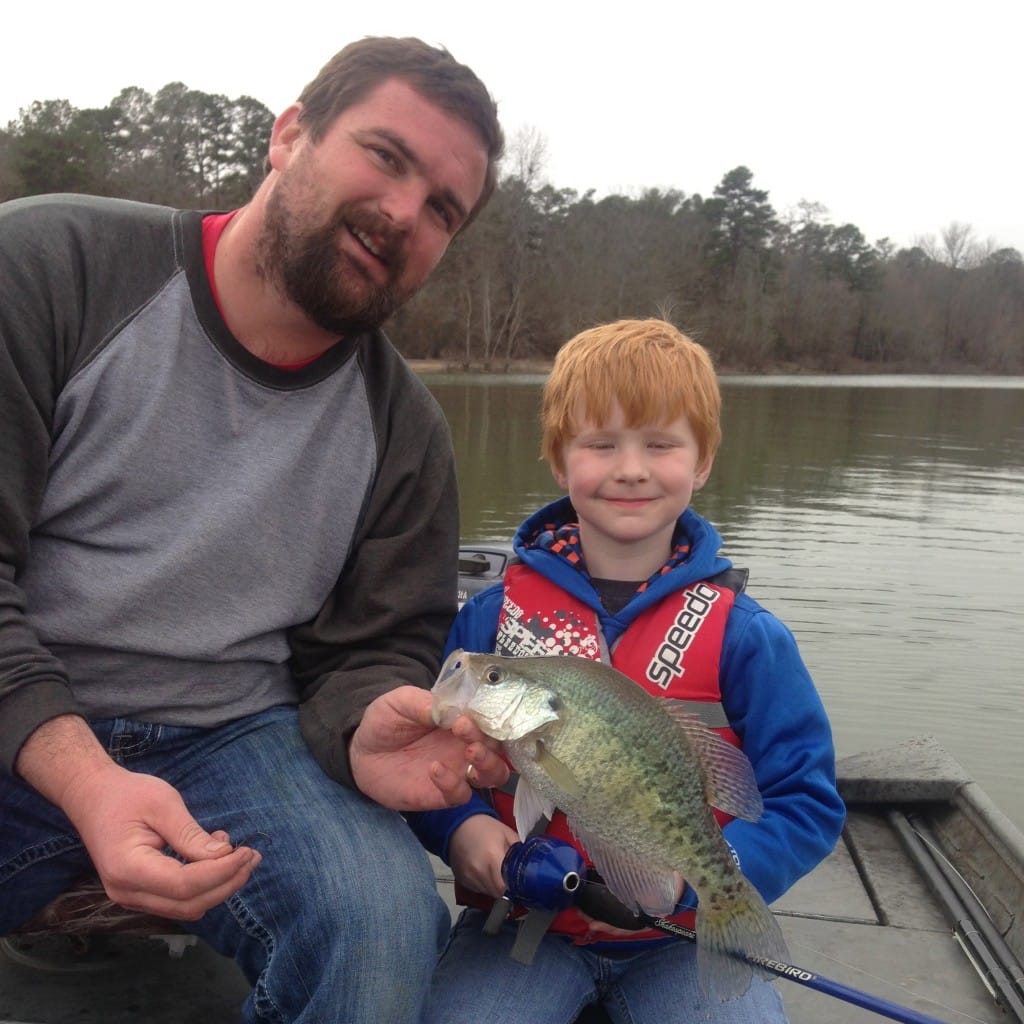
<point>308,266</point>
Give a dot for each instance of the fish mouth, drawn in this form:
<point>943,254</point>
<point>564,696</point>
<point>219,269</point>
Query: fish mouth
<point>453,690</point>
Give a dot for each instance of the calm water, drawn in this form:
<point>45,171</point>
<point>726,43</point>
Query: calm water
<point>881,518</point>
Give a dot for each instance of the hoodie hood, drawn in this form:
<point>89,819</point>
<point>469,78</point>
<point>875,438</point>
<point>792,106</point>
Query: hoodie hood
<point>702,561</point>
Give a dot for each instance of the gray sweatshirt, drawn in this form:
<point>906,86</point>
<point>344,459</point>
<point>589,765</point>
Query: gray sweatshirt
<point>189,535</point>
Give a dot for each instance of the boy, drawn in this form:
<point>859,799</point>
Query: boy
<point>623,570</point>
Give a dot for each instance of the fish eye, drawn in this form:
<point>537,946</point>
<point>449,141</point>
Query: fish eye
<point>554,703</point>
<point>493,675</point>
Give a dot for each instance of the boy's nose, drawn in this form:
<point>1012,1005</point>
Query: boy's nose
<point>632,465</point>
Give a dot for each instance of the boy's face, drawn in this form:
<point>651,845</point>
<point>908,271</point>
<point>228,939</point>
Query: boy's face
<point>629,485</point>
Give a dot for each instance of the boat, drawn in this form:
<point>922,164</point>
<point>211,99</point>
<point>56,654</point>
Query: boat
<point>917,915</point>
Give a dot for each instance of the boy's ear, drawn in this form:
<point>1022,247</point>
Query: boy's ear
<point>560,478</point>
<point>700,478</point>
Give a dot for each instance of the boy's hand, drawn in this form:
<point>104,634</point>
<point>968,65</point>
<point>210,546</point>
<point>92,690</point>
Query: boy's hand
<point>476,851</point>
<point>402,760</point>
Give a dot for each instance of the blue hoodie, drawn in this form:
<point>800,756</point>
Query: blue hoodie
<point>767,694</point>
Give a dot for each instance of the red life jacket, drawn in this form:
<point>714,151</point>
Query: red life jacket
<point>672,649</point>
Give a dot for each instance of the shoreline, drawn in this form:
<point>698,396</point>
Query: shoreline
<point>851,368</point>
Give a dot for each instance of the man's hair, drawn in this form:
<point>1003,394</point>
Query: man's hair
<point>656,373</point>
<point>355,71</point>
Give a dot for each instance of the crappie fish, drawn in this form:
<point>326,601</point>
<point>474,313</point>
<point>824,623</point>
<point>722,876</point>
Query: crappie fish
<point>636,777</point>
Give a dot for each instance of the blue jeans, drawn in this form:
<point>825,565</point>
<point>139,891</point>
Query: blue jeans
<point>477,980</point>
<point>341,922</point>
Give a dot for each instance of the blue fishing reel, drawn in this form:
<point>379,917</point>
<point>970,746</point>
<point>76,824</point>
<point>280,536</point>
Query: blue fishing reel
<point>542,873</point>
<point>547,876</point>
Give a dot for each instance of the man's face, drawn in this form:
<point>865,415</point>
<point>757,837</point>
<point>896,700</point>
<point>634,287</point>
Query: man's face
<point>356,222</point>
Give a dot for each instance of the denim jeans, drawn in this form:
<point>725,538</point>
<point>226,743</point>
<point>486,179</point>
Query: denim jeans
<point>477,980</point>
<point>341,923</point>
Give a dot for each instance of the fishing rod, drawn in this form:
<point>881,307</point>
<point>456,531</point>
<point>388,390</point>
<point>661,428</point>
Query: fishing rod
<point>548,875</point>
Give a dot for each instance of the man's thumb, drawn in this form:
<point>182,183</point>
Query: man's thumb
<point>195,843</point>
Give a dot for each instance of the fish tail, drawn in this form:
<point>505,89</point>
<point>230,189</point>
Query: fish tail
<point>731,927</point>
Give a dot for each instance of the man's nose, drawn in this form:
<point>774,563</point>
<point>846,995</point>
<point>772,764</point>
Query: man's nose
<point>403,204</point>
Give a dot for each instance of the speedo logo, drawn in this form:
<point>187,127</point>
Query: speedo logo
<point>667,664</point>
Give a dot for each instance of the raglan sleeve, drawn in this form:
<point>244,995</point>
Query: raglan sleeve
<point>35,320</point>
<point>774,707</point>
<point>385,622</point>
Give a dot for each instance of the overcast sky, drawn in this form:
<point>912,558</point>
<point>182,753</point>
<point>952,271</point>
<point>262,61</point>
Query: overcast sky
<point>898,116</point>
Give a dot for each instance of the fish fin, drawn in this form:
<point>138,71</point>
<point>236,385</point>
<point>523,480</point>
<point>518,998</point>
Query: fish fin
<point>557,771</point>
<point>729,781</point>
<point>632,881</point>
<point>730,928</point>
<point>529,807</point>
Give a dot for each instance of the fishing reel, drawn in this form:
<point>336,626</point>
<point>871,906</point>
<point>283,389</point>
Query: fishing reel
<point>547,876</point>
<point>542,873</point>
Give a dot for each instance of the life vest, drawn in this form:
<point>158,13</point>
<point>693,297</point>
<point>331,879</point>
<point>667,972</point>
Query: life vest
<point>672,649</point>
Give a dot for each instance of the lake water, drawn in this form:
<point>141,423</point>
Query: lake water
<point>881,518</point>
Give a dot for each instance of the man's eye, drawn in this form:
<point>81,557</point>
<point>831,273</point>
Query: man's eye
<point>442,211</point>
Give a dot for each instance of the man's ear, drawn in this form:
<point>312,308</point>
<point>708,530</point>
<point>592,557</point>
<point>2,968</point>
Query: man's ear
<point>285,134</point>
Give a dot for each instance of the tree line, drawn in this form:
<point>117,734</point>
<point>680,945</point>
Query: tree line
<point>178,146</point>
<point>760,289</point>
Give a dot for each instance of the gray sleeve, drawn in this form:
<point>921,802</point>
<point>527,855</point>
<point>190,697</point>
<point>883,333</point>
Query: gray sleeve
<point>37,332</point>
<point>386,621</point>
<point>64,280</point>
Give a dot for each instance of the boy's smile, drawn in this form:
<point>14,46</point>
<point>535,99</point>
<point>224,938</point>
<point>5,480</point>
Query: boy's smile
<point>629,485</point>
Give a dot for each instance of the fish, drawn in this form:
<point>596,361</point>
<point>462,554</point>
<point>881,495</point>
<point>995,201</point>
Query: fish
<point>636,777</point>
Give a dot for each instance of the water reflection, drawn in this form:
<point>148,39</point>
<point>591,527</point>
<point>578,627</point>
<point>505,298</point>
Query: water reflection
<point>881,519</point>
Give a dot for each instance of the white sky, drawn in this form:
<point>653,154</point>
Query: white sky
<point>899,116</point>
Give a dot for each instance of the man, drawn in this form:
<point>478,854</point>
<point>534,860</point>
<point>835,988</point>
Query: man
<point>228,538</point>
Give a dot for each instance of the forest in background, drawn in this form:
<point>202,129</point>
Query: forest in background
<point>762,290</point>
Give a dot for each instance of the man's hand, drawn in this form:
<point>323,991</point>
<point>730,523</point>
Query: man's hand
<point>402,760</point>
<point>126,819</point>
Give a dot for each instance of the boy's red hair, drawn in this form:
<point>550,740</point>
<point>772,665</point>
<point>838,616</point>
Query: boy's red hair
<point>654,371</point>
